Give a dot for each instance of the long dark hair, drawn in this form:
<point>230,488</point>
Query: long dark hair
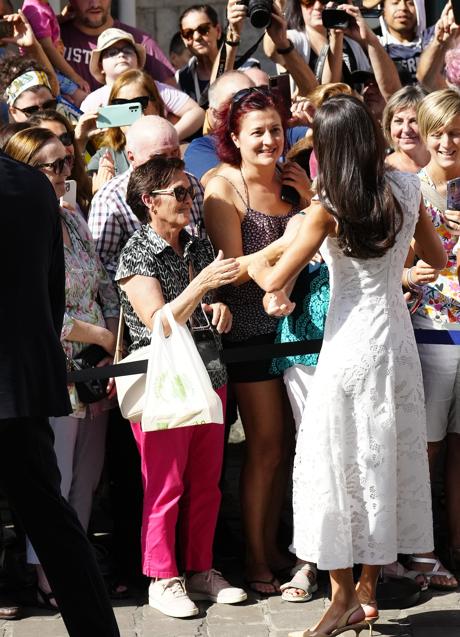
<point>351,177</point>
<point>293,15</point>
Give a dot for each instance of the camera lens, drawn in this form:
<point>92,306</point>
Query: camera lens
<point>260,13</point>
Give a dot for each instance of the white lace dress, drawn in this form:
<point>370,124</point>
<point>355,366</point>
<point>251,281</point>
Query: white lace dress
<point>361,481</point>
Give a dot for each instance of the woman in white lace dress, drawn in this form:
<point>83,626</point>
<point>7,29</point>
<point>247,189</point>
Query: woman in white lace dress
<point>361,483</point>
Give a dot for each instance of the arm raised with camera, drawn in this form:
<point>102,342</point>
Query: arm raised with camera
<point>280,49</point>
<point>431,63</point>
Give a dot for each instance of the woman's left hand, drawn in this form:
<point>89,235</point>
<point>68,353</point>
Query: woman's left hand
<point>294,175</point>
<point>278,304</point>
<point>222,318</point>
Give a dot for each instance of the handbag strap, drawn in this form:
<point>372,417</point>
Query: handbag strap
<point>119,346</point>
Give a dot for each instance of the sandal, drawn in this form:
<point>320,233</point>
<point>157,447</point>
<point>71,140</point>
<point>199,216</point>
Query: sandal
<point>304,579</point>
<point>437,570</point>
<point>273,582</point>
<point>396,570</point>
<point>44,600</point>
<point>372,613</point>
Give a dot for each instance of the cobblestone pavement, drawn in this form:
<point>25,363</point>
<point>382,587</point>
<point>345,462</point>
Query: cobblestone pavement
<point>435,615</point>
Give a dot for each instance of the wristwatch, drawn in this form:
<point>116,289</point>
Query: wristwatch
<point>287,50</point>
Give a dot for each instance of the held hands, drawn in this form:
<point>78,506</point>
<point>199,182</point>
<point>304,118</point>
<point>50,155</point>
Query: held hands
<point>422,273</point>
<point>278,304</point>
<point>220,272</point>
<point>222,318</point>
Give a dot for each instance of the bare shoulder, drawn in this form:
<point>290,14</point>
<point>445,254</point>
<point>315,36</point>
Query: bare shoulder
<point>317,214</point>
<point>221,180</point>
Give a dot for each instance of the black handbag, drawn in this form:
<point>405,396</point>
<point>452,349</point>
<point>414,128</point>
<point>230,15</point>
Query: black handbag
<point>90,391</point>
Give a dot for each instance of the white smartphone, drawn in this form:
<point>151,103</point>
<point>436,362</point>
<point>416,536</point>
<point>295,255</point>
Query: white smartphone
<point>116,115</point>
<point>70,194</point>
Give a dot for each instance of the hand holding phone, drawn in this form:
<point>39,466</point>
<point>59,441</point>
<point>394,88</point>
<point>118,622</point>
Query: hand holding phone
<point>70,194</point>
<point>117,115</point>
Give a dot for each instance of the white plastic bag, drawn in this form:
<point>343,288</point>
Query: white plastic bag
<point>178,388</point>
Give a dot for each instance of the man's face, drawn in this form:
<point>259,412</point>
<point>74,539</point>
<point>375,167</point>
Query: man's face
<point>92,13</point>
<point>400,16</point>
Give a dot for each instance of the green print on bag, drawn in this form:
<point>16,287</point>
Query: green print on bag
<point>167,387</point>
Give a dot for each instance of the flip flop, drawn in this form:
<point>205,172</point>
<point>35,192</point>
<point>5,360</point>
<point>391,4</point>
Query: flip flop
<point>300,581</point>
<point>253,582</point>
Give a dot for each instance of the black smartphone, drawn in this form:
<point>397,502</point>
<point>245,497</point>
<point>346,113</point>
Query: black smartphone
<point>283,84</point>
<point>6,29</point>
<point>335,19</point>
<point>456,10</point>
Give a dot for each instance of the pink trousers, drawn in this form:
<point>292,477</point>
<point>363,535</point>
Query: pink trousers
<point>180,471</point>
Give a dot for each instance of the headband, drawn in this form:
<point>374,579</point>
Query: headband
<point>27,80</point>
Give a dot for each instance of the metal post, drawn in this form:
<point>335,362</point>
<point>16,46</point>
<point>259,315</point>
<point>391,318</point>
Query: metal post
<point>127,12</point>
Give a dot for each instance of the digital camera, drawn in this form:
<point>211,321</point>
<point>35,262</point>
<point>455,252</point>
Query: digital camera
<point>259,12</point>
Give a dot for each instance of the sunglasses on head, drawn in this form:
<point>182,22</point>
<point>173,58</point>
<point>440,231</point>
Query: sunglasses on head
<point>30,110</point>
<point>202,29</point>
<point>179,192</point>
<point>127,49</point>
<point>67,138</point>
<point>143,100</point>
<point>57,166</point>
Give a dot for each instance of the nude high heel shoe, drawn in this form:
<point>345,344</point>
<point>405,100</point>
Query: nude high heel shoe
<point>372,614</point>
<point>342,627</point>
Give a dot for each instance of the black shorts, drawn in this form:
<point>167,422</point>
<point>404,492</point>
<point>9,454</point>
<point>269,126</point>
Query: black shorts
<point>251,371</point>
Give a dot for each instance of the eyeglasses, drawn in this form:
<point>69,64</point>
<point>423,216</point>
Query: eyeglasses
<point>128,49</point>
<point>179,192</point>
<point>143,100</point>
<point>310,3</point>
<point>67,138</point>
<point>30,110</point>
<point>57,166</point>
<point>202,29</point>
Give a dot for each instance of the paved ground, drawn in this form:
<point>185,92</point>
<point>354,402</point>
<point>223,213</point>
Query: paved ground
<point>436,614</point>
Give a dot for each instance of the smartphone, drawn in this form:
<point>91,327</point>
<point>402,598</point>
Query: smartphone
<point>456,10</point>
<point>282,83</point>
<point>118,115</point>
<point>70,194</point>
<point>453,194</point>
<point>371,13</point>
<point>335,19</point>
<point>6,29</point>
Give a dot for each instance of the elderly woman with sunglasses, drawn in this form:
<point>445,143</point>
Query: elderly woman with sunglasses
<point>162,263</point>
<point>91,318</point>
<point>244,212</point>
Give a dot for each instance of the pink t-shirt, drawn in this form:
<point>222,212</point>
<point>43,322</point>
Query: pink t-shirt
<point>42,20</point>
<point>78,47</point>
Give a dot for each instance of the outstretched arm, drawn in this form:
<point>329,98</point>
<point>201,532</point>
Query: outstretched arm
<point>428,245</point>
<point>316,225</point>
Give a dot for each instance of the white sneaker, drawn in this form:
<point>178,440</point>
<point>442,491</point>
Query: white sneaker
<point>211,586</point>
<point>169,597</point>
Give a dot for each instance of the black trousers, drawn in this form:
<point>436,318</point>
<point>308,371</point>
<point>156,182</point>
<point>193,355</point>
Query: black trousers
<point>31,477</point>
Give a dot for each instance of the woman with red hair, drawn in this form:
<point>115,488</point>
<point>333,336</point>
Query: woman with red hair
<point>244,213</point>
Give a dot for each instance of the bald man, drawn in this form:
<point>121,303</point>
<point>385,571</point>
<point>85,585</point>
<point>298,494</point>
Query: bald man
<point>111,220</point>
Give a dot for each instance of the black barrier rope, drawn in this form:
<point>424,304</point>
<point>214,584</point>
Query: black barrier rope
<point>252,353</point>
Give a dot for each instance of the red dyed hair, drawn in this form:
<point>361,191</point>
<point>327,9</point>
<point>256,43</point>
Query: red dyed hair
<point>231,114</point>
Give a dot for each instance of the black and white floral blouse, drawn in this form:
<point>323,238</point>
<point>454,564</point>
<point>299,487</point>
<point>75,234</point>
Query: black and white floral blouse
<point>148,254</point>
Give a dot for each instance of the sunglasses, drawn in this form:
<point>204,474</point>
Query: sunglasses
<point>310,3</point>
<point>114,51</point>
<point>30,110</point>
<point>57,166</point>
<point>67,138</point>
<point>202,29</point>
<point>143,100</point>
<point>179,192</point>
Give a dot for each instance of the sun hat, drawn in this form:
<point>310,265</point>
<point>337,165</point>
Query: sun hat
<point>105,41</point>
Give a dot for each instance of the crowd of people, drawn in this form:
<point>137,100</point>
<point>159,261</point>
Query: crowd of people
<point>261,218</point>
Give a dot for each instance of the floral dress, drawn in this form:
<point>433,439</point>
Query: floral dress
<point>440,307</point>
<point>89,293</point>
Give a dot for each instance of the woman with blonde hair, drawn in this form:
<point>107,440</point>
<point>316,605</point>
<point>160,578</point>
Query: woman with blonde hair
<point>439,125</point>
<point>400,127</point>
